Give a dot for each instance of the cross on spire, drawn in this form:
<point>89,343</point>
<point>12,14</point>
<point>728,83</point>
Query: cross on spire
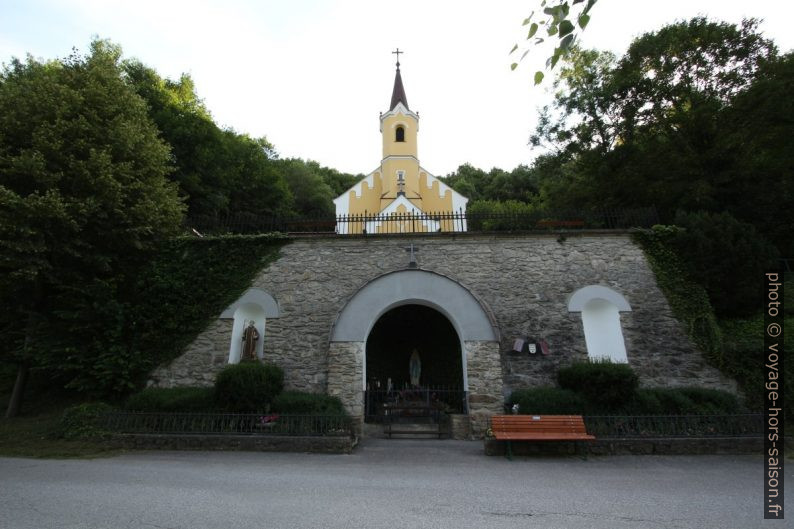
<point>397,52</point>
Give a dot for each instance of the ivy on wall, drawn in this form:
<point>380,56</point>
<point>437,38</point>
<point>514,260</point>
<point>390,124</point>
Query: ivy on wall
<point>188,285</point>
<point>688,300</point>
<point>734,346</point>
<point>104,338</point>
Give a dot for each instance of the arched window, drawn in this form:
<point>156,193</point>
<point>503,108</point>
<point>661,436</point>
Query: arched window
<point>399,134</point>
<point>600,307</point>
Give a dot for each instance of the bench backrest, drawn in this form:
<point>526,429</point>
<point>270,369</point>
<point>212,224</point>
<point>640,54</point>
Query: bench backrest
<point>538,423</point>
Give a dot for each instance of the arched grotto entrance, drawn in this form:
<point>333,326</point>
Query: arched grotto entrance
<point>413,360</point>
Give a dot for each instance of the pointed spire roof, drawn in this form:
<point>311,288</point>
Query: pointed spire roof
<point>398,94</point>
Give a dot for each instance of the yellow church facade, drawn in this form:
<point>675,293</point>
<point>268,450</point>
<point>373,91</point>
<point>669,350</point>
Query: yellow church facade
<point>400,195</point>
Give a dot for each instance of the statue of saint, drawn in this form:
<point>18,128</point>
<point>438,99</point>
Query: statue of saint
<point>250,337</point>
<point>415,366</point>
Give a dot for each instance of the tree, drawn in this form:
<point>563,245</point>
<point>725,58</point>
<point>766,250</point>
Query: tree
<point>727,257</point>
<point>557,23</point>
<point>757,128</point>
<point>312,195</point>
<point>648,129</point>
<point>84,192</point>
<point>219,172</point>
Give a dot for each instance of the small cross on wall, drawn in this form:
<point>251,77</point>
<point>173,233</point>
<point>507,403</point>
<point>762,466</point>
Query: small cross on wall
<point>412,259</point>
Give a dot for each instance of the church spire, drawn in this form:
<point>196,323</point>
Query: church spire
<point>398,94</point>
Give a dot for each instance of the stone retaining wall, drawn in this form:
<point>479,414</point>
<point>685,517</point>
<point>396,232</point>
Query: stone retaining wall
<point>645,446</point>
<point>248,443</point>
<point>523,283</point>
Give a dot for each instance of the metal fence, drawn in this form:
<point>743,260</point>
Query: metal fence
<point>746,425</point>
<point>434,222</point>
<point>379,404</point>
<point>226,423</point>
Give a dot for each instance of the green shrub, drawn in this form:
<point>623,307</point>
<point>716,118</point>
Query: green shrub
<point>711,401</point>
<point>727,257</point>
<point>602,383</point>
<point>83,421</point>
<point>248,387</point>
<point>300,403</point>
<point>172,400</point>
<point>548,400</point>
<point>683,401</point>
<point>651,401</point>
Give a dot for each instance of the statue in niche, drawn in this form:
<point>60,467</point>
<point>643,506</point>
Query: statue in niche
<point>250,337</point>
<point>415,367</point>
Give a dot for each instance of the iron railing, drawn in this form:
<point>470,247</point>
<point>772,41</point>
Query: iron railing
<point>379,404</point>
<point>745,425</point>
<point>432,222</point>
<point>225,423</point>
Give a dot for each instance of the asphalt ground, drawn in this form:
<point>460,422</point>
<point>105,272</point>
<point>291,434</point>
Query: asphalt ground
<point>385,484</point>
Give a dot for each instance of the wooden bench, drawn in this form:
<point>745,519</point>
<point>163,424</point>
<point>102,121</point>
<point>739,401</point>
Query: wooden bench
<point>538,428</point>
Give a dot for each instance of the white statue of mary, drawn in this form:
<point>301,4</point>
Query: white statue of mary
<point>415,367</point>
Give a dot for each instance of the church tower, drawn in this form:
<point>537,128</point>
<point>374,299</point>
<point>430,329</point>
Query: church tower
<point>399,188</point>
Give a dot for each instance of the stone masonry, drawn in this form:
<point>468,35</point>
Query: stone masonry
<point>522,281</point>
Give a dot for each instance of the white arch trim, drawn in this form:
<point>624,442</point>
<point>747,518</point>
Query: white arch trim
<point>581,297</point>
<point>420,287</point>
<point>253,296</point>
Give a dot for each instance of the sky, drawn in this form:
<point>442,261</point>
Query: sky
<point>312,75</point>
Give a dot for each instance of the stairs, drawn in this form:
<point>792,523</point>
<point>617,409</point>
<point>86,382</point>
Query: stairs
<point>413,430</point>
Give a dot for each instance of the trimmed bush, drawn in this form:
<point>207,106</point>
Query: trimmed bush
<point>172,400</point>
<point>301,403</point>
<point>712,401</point>
<point>602,383</point>
<point>82,421</point>
<point>548,400</point>
<point>683,401</point>
<point>653,401</point>
<point>248,387</point>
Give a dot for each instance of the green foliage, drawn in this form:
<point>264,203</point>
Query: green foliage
<point>83,421</point>
<point>218,171</point>
<point>83,187</point>
<point>103,340</point>
<point>727,257</point>
<point>248,386</point>
<point>688,300</point>
<point>84,200</point>
<point>758,127</point>
<point>647,401</point>
<point>520,184</point>
<point>313,196</point>
<point>601,383</point>
<point>188,399</point>
<point>168,311</point>
<point>300,403</point>
<point>548,400</point>
<point>683,401</point>
<point>514,215</point>
<point>563,20</point>
<point>685,120</point>
<point>745,359</point>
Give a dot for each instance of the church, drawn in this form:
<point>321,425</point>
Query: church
<point>400,188</point>
<point>466,316</point>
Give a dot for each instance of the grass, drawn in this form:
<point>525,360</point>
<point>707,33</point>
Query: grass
<point>36,431</point>
<point>37,436</point>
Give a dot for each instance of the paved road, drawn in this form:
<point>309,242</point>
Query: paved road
<point>384,484</point>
